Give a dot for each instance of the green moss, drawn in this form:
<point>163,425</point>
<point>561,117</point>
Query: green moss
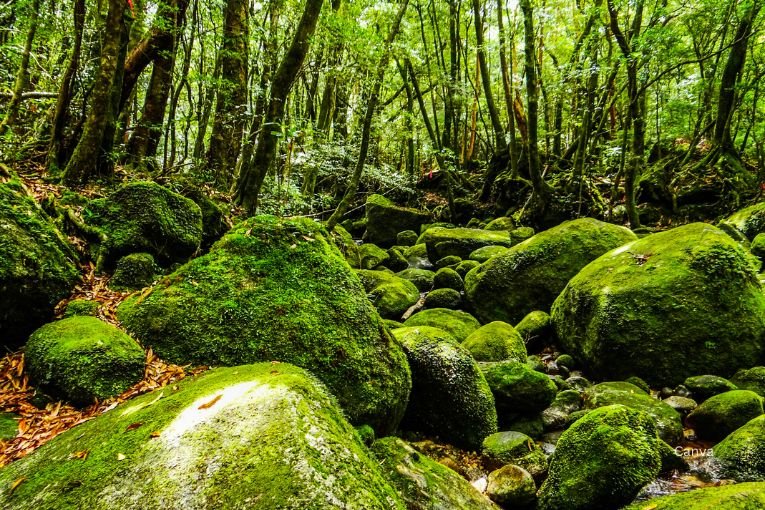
<point>720,415</point>
<point>214,221</point>
<point>758,246</point>
<point>502,223</point>
<point>485,253</point>
<point>447,278</point>
<point>37,265</point>
<point>744,496</point>
<point>457,323</point>
<point>450,261</point>
<point>687,294</point>
<point>704,386</point>
<point>496,341</point>
<point>465,267</point>
<point>416,252</point>
<point>9,426</point>
<point>741,455</point>
<point>421,278</point>
<point>423,483</point>
<point>520,234</point>
<point>396,260</point>
<point>443,298</point>
<point>750,379</point>
<point>134,271</point>
<point>640,383</point>
<point>274,289</point>
<point>517,388</point>
<point>80,307</point>
<point>450,397</point>
<point>146,217</point>
<point>391,295</point>
<point>81,359</point>
<point>407,238</point>
<point>372,256</point>
<point>750,221</point>
<point>512,487</point>
<point>602,461</point>
<point>531,274</point>
<point>536,327</point>
<point>347,246</point>
<point>512,447</point>
<point>668,421</point>
<point>264,435</point>
<point>442,242</point>
<point>386,219</point>
<point>531,425</point>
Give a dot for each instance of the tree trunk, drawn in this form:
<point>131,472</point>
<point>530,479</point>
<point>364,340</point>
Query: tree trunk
<point>252,175</point>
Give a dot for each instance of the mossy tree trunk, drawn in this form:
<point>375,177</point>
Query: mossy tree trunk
<point>82,166</point>
<point>252,175</point>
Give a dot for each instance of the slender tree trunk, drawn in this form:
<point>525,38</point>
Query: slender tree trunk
<point>252,176</point>
<point>507,88</point>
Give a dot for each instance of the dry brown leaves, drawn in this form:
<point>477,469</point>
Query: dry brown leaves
<point>94,287</point>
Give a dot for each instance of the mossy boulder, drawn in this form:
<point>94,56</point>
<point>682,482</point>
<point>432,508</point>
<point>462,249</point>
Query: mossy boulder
<point>417,256</point>
<point>496,341</point>
<point>146,217</point>
<point>391,295</point>
<point>450,261</point>
<point>531,274</point>
<point>442,242</point>
<point>720,415</point>
<point>266,436</point>
<point>511,447</point>
<point>443,298</point>
<point>386,219</point>
<point>464,267</point>
<point>750,379</point>
<point>81,307</point>
<point>276,290</point>
<point>485,253</point>
<point>501,223</point>
<point>511,486</point>
<point>421,278</point>
<point>134,271</point>
<point>214,221</point>
<point>450,397</point>
<point>704,386</point>
<point>37,265</point>
<point>741,455</point>
<point>396,260</point>
<point>536,328</point>
<point>667,420</point>
<point>423,483</point>
<point>517,388</point>
<point>758,246</point>
<point>407,238</point>
<point>689,294</point>
<point>371,256</point>
<point>750,221</point>
<point>81,359</point>
<point>743,496</point>
<point>347,246</point>
<point>562,410</point>
<point>455,322</point>
<point>602,461</point>
<point>447,278</point>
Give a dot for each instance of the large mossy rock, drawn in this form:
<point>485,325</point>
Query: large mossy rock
<point>602,461</point>
<point>391,295</point>
<point>457,323</point>
<point>741,455</point>
<point>750,221</point>
<point>146,217</point>
<point>81,359</point>
<point>517,388</point>
<point>37,266</point>
<point>423,483</point>
<point>511,447</point>
<point>689,294</point>
<point>668,421</point>
<point>257,436</point>
<point>531,274</point>
<point>744,496</point>
<point>496,341</point>
<point>450,397</point>
<point>386,219</point>
<point>752,379</point>
<point>442,242</point>
<point>277,290</point>
<point>720,415</point>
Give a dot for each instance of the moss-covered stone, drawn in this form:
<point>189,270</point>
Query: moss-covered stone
<point>536,328</point>
<point>417,256</point>
<point>9,426</point>
<point>450,397</point>
<point>372,256</point>
<point>447,278</point>
<point>559,414</point>
<point>443,298</point>
<point>266,436</point>
<point>214,221</point>
<point>396,260</point>
<point>421,278</point>
<point>391,295</point>
<point>640,383</point>
<point>146,217</point>
<point>704,386</point>
<point>347,246</point>
<point>407,238</point>
<point>423,483</point>
<point>531,274</point>
<point>81,307</point>
<point>529,424</point>
<point>750,379</point>
<point>689,294</point>
<point>37,265</point>
<point>741,455</point>
<point>485,253</point>
<point>457,323</point>
<point>720,415</point>
<point>450,261</point>
<point>517,388</point>
<point>465,267</point>
<point>276,289</point>
<point>668,421</point>
<point>750,221</point>
<point>496,341</point>
<point>744,496</point>
<point>758,246</point>
<point>386,219</point>
<point>442,242</point>
<point>81,359</point>
<point>602,461</point>
<point>511,447</point>
<point>501,223</point>
<point>512,486</point>
<point>134,271</point>
<point>520,234</point>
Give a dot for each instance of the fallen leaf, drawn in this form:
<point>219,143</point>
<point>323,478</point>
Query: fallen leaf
<point>121,456</point>
<point>133,426</point>
<point>82,454</point>
<point>211,403</point>
<point>154,434</point>
<point>15,485</point>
